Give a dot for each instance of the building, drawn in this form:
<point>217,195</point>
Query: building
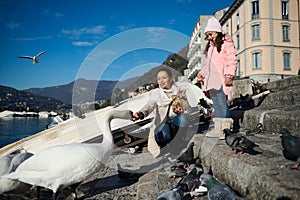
<point>266,35</point>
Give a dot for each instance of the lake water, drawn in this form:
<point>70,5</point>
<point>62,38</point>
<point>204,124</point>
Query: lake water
<point>15,128</point>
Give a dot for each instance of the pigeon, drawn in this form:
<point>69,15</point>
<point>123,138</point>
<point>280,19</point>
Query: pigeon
<point>291,146</point>
<point>174,194</point>
<point>190,181</point>
<point>187,156</point>
<point>177,171</point>
<point>126,174</point>
<point>217,190</point>
<point>35,59</point>
<point>239,143</point>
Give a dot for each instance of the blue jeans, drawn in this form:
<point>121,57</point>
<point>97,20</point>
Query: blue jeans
<point>165,133</point>
<point>221,109</point>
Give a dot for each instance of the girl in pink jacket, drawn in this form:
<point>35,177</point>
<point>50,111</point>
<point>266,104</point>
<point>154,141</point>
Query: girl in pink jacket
<point>219,68</point>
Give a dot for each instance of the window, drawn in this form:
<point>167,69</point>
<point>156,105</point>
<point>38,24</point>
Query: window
<point>285,10</point>
<point>256,60</point>
<point>237,41</point>
<point>285,33</point>
<point>256,32</point>
<point>237,21</point>
<point>255,9</point>
<point>238,69</point>
<point>286,61</point>
<point>227,28</point>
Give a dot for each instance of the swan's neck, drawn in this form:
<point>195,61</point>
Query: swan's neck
<point>106,128</point>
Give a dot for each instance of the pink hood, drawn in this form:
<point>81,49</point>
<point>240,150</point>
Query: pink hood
<point>217,65</point>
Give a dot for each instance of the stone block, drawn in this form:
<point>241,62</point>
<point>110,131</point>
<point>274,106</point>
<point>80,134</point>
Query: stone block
<point>243,87</point>
<point>266,176</point>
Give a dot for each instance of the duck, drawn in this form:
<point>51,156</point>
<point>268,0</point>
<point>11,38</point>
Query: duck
<point>35,59</point>
<point>61,166</point>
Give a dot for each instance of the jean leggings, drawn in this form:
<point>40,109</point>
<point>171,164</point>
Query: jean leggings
<point>165,133</point>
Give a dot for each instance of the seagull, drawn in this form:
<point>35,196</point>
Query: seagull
<point>60,166</point>
<point>35,59</point>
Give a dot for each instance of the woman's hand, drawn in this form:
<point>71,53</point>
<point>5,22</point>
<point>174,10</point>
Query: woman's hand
<point>137,115</point>
<point>228,81</point>
<point>200,78</point>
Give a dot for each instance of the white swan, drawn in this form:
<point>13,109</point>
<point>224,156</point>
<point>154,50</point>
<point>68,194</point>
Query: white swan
<point>8,164</point>
<point>61,166</point>
<point>35,59</point>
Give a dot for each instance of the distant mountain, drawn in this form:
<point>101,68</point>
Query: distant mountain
<point>16,100</point>
<point>177,61</point>
<point>84,90</point>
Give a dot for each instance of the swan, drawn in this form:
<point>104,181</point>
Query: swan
<point>61,166</point>
<point>35,59</point>
<point>8,164</point>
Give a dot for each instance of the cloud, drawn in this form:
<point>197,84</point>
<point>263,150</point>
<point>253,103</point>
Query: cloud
<point>77,33</point>
<point>12,25</point>
<point>125,27</point>
<point>56,15</point>
<point>171,21</point>
<point>184,1</point>
<point>32,38</point>
<point>99,54</point>
<point>83,44</point>
<point>156,34</point>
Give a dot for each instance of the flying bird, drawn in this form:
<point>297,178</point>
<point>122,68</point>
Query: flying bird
<point>35,59</point>
<point>58,167</point>
<point>239,143</point>
<point>217,190</point>
<point>291,146</point>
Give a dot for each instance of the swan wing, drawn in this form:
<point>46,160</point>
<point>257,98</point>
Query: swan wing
<point>58,166</point>
<point>53,158</point>
<point>4,164</point>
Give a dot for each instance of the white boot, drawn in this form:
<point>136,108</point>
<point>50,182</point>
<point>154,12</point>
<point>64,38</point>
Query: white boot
<point>215,132</point>
<point>226,124</point>
<point>219,125</point>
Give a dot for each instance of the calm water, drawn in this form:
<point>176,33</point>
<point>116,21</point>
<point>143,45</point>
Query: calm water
<point>15,128</point>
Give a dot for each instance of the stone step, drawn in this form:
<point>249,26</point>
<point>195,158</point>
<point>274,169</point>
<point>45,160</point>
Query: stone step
<point>273,119</point>
<point>265,176</point>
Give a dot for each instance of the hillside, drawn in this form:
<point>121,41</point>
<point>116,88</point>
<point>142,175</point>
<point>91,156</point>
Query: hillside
<point>94,90</point>
<point>178,62</point>
<point>16,100</point>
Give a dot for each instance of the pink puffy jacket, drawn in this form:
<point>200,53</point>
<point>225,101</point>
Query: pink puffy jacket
<point>217,65</point>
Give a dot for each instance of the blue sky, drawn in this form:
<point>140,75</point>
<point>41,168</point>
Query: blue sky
<point>93,39</point>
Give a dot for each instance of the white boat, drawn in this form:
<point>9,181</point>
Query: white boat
<point>7,113</point>
<point>76,130</point>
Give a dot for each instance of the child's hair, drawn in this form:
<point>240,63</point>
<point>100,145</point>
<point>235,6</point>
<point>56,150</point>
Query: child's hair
<point>219,41</point>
